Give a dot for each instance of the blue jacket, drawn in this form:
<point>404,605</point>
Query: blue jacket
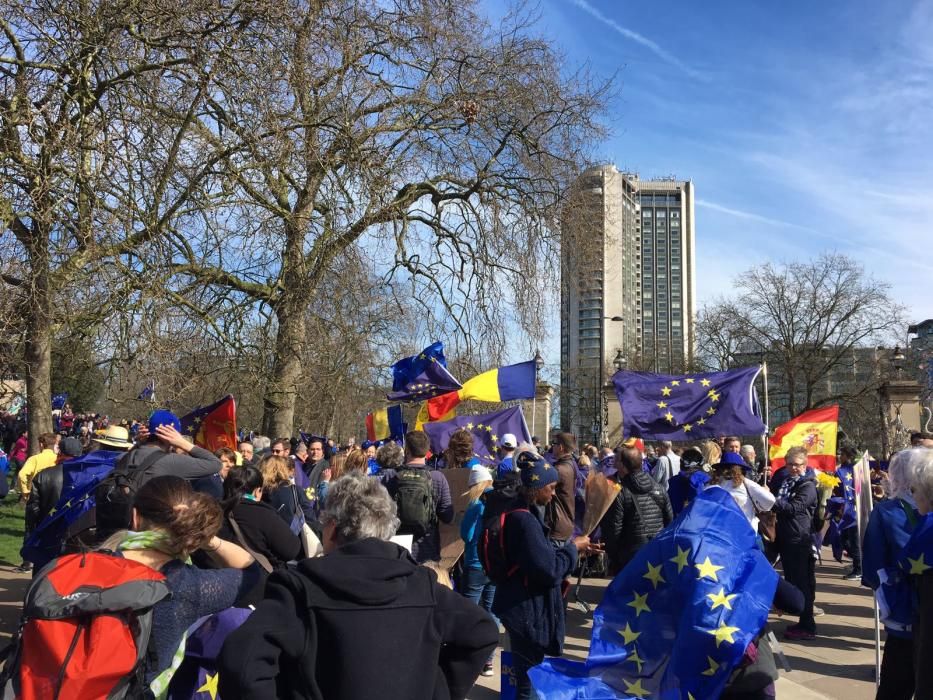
<point>470,531</point>
<point>885,536</point>
<point>529,602</point>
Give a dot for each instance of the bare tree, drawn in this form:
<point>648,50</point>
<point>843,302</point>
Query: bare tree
<point>413,132</point>
<point>816,323</point>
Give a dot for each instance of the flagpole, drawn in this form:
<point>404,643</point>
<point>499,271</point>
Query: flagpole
<point>764,438</point>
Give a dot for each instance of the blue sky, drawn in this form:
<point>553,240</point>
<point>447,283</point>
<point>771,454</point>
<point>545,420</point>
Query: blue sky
<point>804,125</point>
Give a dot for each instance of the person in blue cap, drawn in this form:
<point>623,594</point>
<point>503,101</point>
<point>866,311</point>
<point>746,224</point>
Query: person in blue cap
<point>168,452</point>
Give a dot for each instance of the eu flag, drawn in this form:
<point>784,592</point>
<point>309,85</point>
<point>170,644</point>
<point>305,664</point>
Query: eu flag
<point>422,376</point>
<point>665,407</point>
<point>197,676</point>
<point>917,555</point>
<point>676,621</point>
<point>59,401</point>
<point>74,511</point>
<point>487,430</point>
<point>148,392</point>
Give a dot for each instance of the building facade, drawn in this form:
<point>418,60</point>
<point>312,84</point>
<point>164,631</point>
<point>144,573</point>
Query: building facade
<point>627,286</point>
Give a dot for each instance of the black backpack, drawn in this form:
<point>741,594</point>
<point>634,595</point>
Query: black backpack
<point>414,500</point>
<point>499,504</point>
<point>115,494</point>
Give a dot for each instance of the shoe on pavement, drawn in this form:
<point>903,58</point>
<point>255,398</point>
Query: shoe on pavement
<point>487,670</point>
<point>817,611</point>
<point>24,568</point>
<point>796,634</point>
<point>852,576</point>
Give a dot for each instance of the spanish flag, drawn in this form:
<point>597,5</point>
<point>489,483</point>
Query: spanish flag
<point>814,430</point>
<point>501,384</point>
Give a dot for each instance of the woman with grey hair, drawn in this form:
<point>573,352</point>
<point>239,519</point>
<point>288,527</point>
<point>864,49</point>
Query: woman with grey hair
<point>889,528</point>
<point>323,629</point>
<point>390,456</point>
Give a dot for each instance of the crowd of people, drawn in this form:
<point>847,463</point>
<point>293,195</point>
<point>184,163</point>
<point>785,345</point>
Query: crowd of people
<point>339,549</point>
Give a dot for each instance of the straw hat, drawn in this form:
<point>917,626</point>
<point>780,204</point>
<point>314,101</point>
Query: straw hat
<point>114,436</point>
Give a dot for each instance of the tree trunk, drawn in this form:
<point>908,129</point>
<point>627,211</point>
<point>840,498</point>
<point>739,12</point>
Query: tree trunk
<point>278,404</point>
<point>38,348</point>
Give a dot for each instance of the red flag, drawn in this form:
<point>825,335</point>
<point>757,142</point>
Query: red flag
<point>814,430</point>
<point>214,426</point>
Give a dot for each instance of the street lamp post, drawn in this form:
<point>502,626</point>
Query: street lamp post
<point>597,401</point>
<point>539,363</point>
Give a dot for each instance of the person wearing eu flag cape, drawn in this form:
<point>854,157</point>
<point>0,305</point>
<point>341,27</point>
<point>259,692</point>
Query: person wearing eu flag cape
<point>917,562</point>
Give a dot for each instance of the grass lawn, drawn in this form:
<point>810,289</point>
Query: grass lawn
<point>11,531</point>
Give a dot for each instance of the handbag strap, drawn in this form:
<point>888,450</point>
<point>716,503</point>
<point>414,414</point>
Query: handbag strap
<point>261,558</point>
<point>751,500</point>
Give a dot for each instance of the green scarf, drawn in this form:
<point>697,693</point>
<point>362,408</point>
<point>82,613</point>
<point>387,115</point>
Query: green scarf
<point>147,539</point>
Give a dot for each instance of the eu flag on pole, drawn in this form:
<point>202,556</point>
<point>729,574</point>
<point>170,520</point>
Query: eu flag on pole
<point>214,426</point>
<point>59,401</point>
<point>487,430</point>
<point>676,621</point>
<point>422,377</point>
<point>148,392</point>
<point>665,407</point>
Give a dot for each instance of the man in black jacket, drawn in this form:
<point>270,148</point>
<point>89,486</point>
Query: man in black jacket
<point>795,506</point>
<point>363,621</point>
<point>640,511</point>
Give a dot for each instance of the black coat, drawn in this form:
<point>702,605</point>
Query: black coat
<point>265,532</point>
<point>364,621</point>
<point>639,512</point>
<point>923,635</point>
<point>795,513</point>
<point>46,490</point>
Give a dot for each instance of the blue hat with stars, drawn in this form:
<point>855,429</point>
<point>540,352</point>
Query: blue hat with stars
<point>535,472</point>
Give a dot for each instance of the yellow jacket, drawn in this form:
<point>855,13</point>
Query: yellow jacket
<point>33,466</point>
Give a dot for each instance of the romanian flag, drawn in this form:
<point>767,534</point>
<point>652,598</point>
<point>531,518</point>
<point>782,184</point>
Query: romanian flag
<point>214,426</point>
<point>385,423</point>
<point>814,430</point>
<point>501,384</point>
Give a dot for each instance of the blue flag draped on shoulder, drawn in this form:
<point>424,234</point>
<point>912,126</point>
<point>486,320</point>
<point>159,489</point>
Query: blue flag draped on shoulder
<point>917,555</point>
<point>422,376</point>
<point>487,430</point>
<point>676,621</point>
<point>71,514</point>
<point>689,407</point>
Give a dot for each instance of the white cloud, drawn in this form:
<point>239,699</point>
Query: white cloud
<point>749,216</point>
<point>632,35</point>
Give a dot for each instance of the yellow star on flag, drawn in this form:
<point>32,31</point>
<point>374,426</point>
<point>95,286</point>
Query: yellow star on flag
<point>705,382</point>
<point>210,685</point>
<point>469,426</point>
<point>635,688</point>
<point>918,566</point>
<point>722,599</point>
<point>662,404</point>
<point>666,391</point>
<point>691,380</point>
<point>702,421</point>
<point>495,438</point>
<point>479,426</point>
<point>669,416</point>
<point>635,659</point>
<point>675,383</point>
<point>628,634</point>
<point>687,427</point>
<point>711,411</point>
<point>707,568</point>
<point>488,428</point>
<point>654,575</point>
<point>681,558</point>
<point>724,633</point>
<point>714,396</point>
<point>639,603</point>
<point>713,667</point>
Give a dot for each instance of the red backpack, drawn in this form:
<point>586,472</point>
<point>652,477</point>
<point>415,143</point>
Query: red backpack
<point>84,631</point>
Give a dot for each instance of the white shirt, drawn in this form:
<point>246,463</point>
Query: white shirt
<point>667,467</point>
<point>761,496</point>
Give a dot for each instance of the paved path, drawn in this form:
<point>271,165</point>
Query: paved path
<point>838,664</point>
